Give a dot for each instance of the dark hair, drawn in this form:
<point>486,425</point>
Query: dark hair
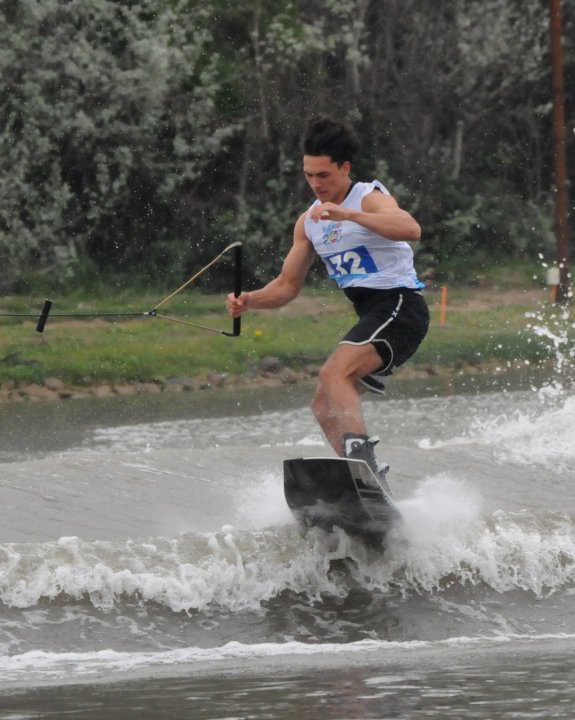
<point>324,136</point>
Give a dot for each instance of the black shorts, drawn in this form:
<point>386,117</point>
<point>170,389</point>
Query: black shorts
<point>393,321</point>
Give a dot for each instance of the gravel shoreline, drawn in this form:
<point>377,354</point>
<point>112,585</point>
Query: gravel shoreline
<point>271,372</point>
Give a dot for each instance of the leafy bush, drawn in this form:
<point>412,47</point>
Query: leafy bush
<point>108,123</point>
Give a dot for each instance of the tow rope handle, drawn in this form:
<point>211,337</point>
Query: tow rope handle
<point>237,326</point>
<point>237,322</point>
<point>43,319</point>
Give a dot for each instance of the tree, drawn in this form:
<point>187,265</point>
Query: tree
<point>144,136</point>
<point>108,122</point>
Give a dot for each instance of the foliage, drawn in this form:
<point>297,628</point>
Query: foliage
<point>109,117</point>
<point>138,139</point>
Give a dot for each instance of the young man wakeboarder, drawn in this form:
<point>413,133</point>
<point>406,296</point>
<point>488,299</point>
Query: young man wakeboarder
<point>362,235</point>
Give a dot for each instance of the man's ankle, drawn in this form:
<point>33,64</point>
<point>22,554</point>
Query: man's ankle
<point>358,446</point>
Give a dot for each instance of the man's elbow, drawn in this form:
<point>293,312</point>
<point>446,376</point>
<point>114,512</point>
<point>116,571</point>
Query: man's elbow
<point>410,228</point>
<point>413,231</point>
<point>292,290</point>
<point>288,287</point>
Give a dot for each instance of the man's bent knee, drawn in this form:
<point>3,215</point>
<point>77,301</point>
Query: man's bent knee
<point>349,364</point>
<point>332,374</point>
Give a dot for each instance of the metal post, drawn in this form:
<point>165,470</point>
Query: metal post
<point>559,154</point>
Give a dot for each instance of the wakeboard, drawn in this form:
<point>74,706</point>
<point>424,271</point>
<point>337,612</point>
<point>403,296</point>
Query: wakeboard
<point>339,492</point>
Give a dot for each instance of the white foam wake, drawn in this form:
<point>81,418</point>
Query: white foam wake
<point>39,667</point>
<point>543,436</point>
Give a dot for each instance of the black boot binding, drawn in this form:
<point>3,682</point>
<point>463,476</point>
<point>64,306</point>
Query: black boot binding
<point>361,447</point>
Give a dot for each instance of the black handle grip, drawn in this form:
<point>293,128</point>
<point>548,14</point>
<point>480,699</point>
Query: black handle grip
<point>43,316</point>
<point>237,325</point>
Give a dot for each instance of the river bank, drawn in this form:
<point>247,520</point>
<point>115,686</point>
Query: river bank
<point>271,373</point>
<point>483,331</point>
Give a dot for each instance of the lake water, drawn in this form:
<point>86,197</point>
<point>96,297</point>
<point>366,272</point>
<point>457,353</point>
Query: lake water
<point>149,567</point>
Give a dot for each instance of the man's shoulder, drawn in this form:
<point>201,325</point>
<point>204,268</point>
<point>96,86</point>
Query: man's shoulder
<point>364,188</point>
<point>303,217</point>
<point>300,224</point>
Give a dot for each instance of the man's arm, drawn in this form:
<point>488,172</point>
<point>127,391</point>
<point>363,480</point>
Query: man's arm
<point>285,287</point>
<point>379,213</point>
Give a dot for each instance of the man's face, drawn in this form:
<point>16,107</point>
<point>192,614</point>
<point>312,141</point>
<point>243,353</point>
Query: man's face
<point>328,181</point>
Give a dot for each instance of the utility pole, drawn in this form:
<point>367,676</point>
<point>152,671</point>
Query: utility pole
<point>559,153</point>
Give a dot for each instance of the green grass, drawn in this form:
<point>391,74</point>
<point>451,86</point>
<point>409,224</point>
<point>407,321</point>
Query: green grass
<point>479,327</point>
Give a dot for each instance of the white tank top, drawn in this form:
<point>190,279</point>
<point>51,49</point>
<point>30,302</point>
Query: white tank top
<point>358,257</point>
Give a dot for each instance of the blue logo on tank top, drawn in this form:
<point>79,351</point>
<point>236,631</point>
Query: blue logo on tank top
<point>332,232</point>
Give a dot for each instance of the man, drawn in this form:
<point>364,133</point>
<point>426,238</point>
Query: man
<point>361,234</point>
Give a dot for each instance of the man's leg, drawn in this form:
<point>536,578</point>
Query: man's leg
<point>337,404</point>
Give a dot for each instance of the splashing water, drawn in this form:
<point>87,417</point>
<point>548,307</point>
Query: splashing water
<point>540,432</point>
<point>546,435</point>
<point>558,332</point>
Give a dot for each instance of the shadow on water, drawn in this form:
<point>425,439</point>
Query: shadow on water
<point>475,685</point>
